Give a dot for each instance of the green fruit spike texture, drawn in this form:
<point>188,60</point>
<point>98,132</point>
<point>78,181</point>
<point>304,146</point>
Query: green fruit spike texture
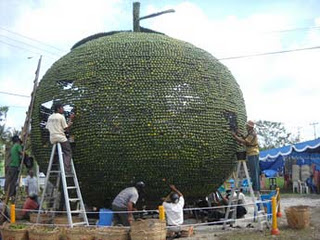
<point>148,107</point>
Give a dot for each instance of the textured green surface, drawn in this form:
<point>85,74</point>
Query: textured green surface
<point>148,107</point>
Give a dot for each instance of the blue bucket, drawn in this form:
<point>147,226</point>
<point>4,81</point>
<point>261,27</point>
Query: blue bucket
<point>105,217</point>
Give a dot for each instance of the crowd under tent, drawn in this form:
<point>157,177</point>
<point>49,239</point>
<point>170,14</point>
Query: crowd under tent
<point>279,161</point>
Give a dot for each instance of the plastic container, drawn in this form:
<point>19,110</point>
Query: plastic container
<point>105,217</point>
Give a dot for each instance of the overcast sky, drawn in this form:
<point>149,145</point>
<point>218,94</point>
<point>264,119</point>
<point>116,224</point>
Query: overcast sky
<point>280,87</point>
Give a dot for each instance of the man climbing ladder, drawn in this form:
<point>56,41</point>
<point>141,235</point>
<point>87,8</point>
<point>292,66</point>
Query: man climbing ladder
<point>63,170</point>
<point>57,125</point>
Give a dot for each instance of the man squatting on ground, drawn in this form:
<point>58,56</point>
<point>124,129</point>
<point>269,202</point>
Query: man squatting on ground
<point>57,125</point>
<point>14,165</point>
<point>252,149</point>
<point>125,201</point>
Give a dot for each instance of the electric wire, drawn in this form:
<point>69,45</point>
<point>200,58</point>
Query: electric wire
<point>21,42</point>
<point>270,53</point>
<point>26,49</point>
<point>32,39</point>
<point>14,94</point>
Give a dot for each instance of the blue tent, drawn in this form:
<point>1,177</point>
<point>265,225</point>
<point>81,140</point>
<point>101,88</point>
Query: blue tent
<point>305,152</point>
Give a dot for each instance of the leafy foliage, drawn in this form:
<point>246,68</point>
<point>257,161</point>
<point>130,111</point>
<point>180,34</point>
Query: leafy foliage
<point>273,135</point>
<point>3,114</point>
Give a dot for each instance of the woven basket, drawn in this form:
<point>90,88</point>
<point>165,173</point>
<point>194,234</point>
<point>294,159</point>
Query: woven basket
<point>79,233</point>
<point>13,234</point>
<point>149,229</point>
<point>43,233</point>
<point>112,233</point>
<point>64,220</point>
<point>148,225</point>
<point>44,218</point>
<point>298,217</point>
<point>148,235</point>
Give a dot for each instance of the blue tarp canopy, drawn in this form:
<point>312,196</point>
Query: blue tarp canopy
<point>305,152</point>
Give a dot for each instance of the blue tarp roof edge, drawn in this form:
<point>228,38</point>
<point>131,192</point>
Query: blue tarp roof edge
<point>286,150</point>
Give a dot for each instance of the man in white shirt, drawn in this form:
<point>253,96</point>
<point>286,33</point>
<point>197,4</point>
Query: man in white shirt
<point>32,185</point>
<point>57,125</point>
<point>173,206</point>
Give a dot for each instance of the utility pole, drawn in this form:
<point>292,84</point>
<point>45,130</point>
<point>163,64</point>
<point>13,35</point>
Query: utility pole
<point>314,129</point>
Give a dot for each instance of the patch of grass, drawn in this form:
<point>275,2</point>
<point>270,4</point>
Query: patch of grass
<point>298,195</point>
<point>285,233</point>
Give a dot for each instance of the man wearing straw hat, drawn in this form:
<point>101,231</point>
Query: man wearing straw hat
<point>252,149</point>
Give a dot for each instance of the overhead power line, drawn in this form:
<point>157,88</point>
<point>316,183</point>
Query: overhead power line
<point>32,39</point>
<point>293,29</point>
<point>14,94</point>
<point>16,106</point>
<point>35,47</point>
<point>25,49</point>
<point>270,53</point>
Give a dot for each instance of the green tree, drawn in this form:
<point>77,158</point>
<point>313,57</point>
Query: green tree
<point>3,129</point>
<point>273,135</point>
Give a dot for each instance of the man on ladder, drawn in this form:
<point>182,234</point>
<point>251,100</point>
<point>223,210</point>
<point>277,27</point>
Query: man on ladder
<point>57,125</point>
<point>252,149</point>
<point>65,169</point>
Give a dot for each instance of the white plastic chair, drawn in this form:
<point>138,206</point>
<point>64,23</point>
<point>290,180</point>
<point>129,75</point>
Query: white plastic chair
<point>303,188</point>
<point>296,186</point>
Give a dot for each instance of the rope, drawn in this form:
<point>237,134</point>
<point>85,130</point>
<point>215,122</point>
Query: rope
<point>144,211</point>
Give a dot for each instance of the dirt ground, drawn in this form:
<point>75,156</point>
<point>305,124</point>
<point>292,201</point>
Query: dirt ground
<point>241,230</point>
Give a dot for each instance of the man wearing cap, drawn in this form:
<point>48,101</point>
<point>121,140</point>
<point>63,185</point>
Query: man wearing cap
<point>123,204</point>
<point>252,149</point>
<point>57,125</point>
<point>173,205</point>
<point>14,165</point>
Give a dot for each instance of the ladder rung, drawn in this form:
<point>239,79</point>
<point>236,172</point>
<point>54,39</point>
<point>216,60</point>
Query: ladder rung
<point>72,187</point>
<point>79,223</point>
<point>74,199</point>
<point>77,211</point>
<point>69,175</point>
<point>55,171</point>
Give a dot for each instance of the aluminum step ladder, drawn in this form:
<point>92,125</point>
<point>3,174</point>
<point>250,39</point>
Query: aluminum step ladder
<point>260,215</point>
<point>71,190</point>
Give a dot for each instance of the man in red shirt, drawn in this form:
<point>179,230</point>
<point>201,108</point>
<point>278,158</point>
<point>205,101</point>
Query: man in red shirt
<point>29,205</point>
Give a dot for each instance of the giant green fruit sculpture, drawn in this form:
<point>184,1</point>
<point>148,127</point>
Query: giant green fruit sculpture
<point>148,107</point>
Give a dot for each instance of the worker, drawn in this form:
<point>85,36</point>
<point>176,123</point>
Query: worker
<point>123,204</point>
<point>252,150</point>
<point>29,205</point>
<point>57,126</point>
<point>32,185</point>
<point>14,165</point>
<point>173,205</point>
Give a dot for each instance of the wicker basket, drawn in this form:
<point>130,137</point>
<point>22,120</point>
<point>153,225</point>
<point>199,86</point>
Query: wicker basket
<point>43,233</point>
<point>149,229</point>
<point>148,235</point>
<point>298,217</point>
<point>63,220</point>
<point>112,233</point>
<point>79,233</point>
<point>148,224</point>
<point>44,218</point>
<point>8,233</point>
